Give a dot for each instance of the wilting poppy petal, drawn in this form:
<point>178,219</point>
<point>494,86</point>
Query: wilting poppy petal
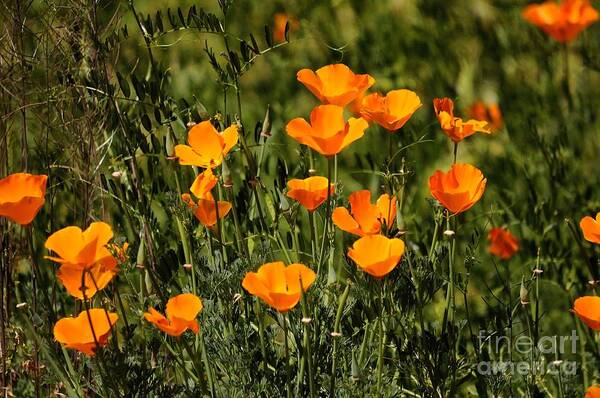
<point>591,228</point>
<point>458,189</point>
<point>502,243</point>
<point>377,255</point>
<point>279,286</point>
<point>391,111</point>
<point>203,183</point>
<point>86,332</point>
<point>310,192</point>
<point>22,196</point>
<point>365,218</point>
<point>587,309</point>
<point>454,127</point>
<point>182,311</point>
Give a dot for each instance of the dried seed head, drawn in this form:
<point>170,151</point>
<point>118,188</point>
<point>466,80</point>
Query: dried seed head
<point>190,124</point>
<point>187,266</point>
<point>237,297</point>
<point>21,305</point>
<point>538,271</point>
<point>336,334</point>
<point>312,172</point>
<point>449,233</point>
<point>306,321</point>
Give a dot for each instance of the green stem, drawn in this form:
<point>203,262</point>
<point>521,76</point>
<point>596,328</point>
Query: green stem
<point>327,217</point>
<point>288,381</point>
<point>381,341</point>
<point>336,335</point>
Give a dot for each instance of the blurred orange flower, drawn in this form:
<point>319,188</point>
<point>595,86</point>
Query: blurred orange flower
<point>279,21</point>
<point>310,192</point>
<point>591,228</point>
<point>455,127</point>
<point>279,286</point>
<point>562,21</point>
<point>83,251</point>
<point>502,243</point>
<point>335,84</point>
<point>458,189</point>
<point>207,146</point>
<point>327,132</point>
<point>593,392</point>
<point>490,113</point>
<point>182,311</point>
<point>365,218</point>
<point>587,309</point>
<point>377,255</point>
<point>391,111</point>
<point>22,196</point>
<point>205,208</point>
<point>78,333</point>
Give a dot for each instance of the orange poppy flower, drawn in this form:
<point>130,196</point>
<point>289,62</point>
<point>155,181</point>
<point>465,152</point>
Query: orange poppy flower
<point>182,311</point>
<point>593,392</point>
<point>502,243</point>
<point>587,309</point>
<point>455,127</point>
<point>83,251</point>
<point>22,196</point>
<point>489,113</point>
<point>310,192</point>
<point>205,208</point>
<point>458,189</point>
<point>327,132</point>
<point>279,286</point>
<point>207,146</point>
<point>365,218</point>
<point>279,21</point>
<point>391,111</point>
<point>591,228</point>
<point>335,84</point>
<point>562,21</point>
<point>377,255</point>
<point>78,333</point>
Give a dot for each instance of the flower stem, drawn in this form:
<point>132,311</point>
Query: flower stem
<point>327,217</point>
<point>336,335</point>
<point>381,341</point>
<point>287,356</point>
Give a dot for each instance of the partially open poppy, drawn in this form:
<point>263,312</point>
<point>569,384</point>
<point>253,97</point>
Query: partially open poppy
<point>455,127</point>
<point>327,132</point>
<point>502,243</point>
<point>22,196</point>
<point>280,20</point>
<point>182,311</point>
<point>377,255</point>
<point>310,192</point>
<point>391,111</point>
<point>279,286</point>
<point>365,218</point>
<point>562,21</point>
<point>593,392</point>
<point>86,332</point>
<point>458,189</point>
<point>489,113</point>
<point>587,309</point>
<point>205,208</point>
<point>335,84</point>
<point>207,147</point>
<point>83,251</point>
<point>591,228</point>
